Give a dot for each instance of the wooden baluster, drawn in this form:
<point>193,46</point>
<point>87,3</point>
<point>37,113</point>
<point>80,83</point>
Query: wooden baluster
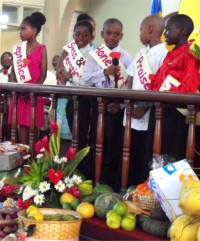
<point>53,107</point>
<point>191,133</point>
<point>75,129</point>
<point>6,128</point>
<point>99,139</point>
<point>32,124</point>
<point>126,146</point>
<point>158,129</point>
<point>1,117</point>
<point>14,119</point>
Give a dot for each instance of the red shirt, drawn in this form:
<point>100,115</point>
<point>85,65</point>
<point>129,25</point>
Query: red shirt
<point>182,65</point>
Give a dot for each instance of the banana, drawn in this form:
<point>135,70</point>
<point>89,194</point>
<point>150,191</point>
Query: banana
<point>184,228</point>
<point>190,202</point>
<point>188,185</point>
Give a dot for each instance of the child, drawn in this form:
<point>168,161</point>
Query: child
<point>6,63</point>
<point>34,72</point>
<point>179,73</point>
<point>96,75</point>
<point>83,34</point>
<point>147,61</point>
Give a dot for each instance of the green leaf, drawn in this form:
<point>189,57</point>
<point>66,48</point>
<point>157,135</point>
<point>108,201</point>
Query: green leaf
<point>72,165</point>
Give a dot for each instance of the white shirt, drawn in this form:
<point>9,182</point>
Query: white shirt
<point>93,73</point>
<point>155,56</point>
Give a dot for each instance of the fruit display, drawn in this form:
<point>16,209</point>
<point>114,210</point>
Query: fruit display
<point>106,202</point>
<point>85,187</point>
<point>86,210</point>
<point>118,217</point>
<point>187,225</point>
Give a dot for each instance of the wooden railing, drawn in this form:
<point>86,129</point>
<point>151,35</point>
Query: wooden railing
<point>128,97</point>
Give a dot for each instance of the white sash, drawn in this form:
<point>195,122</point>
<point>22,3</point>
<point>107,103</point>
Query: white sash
<point>74,61</point>
<point>169,83</point>
<point>102,56</point>
<point>142,71</point>
<point>21,63</point>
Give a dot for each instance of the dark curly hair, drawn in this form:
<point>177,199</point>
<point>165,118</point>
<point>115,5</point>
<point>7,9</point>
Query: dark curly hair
<point>36,20</point>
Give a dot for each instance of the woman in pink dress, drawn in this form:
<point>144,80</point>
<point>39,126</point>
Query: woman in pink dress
<point>36,56</point>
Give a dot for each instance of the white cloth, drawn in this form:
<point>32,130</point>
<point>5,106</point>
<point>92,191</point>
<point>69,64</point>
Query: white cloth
<point>4,77</point>
<point>93,74</point>
<point>155,56</point>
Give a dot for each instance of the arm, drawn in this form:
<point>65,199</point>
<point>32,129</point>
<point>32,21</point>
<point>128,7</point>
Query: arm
<point>60,65</point>
<point>43,66</point>
<point>12,75</point>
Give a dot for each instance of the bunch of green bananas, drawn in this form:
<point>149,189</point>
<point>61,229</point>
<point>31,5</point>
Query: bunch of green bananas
<point>85,187</point>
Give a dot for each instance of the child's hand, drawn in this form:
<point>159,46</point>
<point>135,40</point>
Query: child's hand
<point>63,76</point>
<point>112,70</point>
<point>113,108</point>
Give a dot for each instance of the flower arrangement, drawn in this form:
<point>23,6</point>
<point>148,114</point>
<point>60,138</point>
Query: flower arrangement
<point>44,179</point>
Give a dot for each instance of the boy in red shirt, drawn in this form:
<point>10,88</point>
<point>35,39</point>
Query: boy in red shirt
<point>178,73</point>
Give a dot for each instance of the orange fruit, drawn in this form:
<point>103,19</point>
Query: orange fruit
<point>120,208</point>
<point>128,224</point>
<point>30,209</point>
<point>37,215</point>
<point>66,198</point>
<point>86,210</point>
<point>113,221</point>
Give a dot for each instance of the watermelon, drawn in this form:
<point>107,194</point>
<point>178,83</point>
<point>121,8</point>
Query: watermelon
<point>105,202</point>
<point>102,188</point>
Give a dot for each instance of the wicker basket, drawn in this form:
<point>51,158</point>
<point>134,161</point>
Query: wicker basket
<point>53,230</point>
<point>147,202</point>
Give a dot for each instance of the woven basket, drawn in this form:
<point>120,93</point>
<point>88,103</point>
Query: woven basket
<point>147,202</point>
<point>53,230</point>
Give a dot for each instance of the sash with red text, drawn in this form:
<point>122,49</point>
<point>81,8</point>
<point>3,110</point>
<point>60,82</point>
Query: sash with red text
<point>74,61</point>
<point>142,71</point>
<point>102,56</point>
<point>21,63</point>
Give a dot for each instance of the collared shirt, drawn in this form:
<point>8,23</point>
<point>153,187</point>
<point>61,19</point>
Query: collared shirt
<point>93,73</point>
<point>182,65</point>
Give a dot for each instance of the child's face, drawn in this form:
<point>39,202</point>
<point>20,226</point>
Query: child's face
<point>171,33</point>
<point>26,31</point>
<point>82,36</point>
<point>144,33</point>
<point>112,34</point>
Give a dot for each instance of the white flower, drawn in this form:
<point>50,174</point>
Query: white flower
<point>60,186</point>
<point>42,149</point>
<point>39,199</point>
<point>56,159</point>
<point>2,182</point>
<point>44,186</point>
<point>63,159</point>
<point>76,179</point>
<point>17,173</point>
<point>39,156</point>
<point>26,157</point>
<point>69,182</point>
<point>20,190</point>
<point>29,192</point>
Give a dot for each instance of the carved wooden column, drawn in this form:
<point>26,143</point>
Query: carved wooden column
<point>1,117</point>
<point>5,126</point>
<point>99,139</point>
<point>53,109</point>
<point>14,119</point>
<point>158,129</point>
<point>75,129</point>
<point>32,124</point>
<point>126,146</point>
<point>191,133</point>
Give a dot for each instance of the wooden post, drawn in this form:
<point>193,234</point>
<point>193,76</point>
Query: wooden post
<point>75,129</point>
<point>53,109</point>
<point>191,133</point>
<point>99,139</point>
<point>14,119</point>
<point>32,124</point>
<point>126,146</point>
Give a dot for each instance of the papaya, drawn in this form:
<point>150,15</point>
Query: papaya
<point>90,198</point>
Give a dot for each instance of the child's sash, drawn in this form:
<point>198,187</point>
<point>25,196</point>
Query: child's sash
<point>169,83</point>
<point>142,71</point>
<point>21,63</point>
<point>102,56</point>
<point>74,61</point>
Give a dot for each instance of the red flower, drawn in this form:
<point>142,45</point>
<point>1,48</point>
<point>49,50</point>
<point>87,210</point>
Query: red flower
<point>38,147</point>
<point>73,190</point>
<point>26,170</point>
<point>23,205</point>
<point>5,71</point>
<point>54,127</point>
<point>45,143</point>
<point>55,176</point>
<point>71,153</point>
